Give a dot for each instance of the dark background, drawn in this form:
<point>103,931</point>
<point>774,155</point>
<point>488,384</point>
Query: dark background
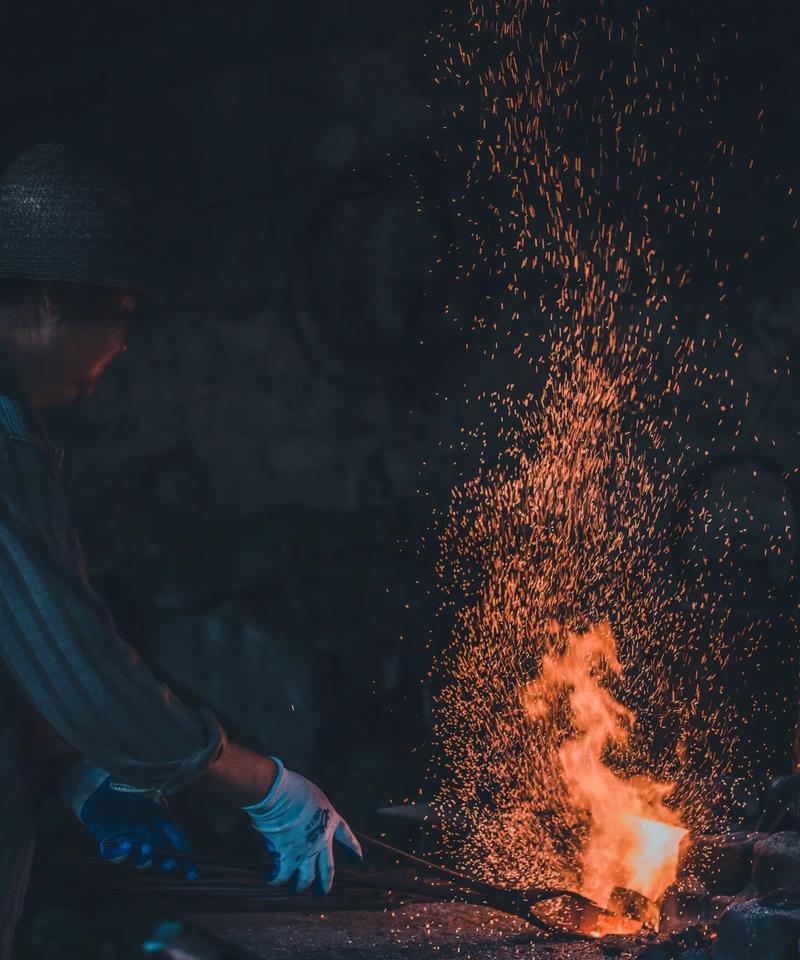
<point>246,481</point>
<point>255,480</point>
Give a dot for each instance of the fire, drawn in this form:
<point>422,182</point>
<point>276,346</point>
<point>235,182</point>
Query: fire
<point>652,857</point>
<point>632,836</point>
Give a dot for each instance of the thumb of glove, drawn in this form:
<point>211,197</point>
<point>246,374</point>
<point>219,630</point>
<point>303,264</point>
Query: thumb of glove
<point>344,835</point>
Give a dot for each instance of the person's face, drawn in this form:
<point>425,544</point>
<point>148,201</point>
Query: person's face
<point>84,338</point>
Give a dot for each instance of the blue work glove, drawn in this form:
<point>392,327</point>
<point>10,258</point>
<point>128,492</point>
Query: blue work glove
<point>299,824</point>
<point>128,823</point>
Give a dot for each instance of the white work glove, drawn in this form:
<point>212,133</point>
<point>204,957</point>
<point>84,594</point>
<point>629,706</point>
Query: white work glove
<point>299,824</point>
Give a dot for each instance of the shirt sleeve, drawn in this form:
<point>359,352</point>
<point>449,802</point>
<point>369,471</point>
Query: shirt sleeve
<point>59,643</point>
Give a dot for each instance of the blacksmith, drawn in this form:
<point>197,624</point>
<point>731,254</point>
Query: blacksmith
<point>77,704</point>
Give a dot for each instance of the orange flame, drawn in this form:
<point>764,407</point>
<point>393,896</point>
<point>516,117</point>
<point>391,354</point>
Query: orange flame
<point>633,838</point>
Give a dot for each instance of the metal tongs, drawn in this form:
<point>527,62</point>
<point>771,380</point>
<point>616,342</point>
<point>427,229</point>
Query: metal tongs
<point>519,903</point>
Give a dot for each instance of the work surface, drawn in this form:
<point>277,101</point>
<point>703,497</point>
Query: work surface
<point>374,914</point>
<point>411,932</point>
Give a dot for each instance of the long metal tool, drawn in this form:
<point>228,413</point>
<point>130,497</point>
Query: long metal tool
<point>509,900</point>
<point>519,903</point>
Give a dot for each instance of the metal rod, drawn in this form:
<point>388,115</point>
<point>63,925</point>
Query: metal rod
<point>532,895</point>
<point>518,903</point>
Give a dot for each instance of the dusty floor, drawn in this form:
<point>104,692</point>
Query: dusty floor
<point>413,932</point>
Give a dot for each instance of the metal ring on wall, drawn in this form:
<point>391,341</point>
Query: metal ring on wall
<point>368,274</point>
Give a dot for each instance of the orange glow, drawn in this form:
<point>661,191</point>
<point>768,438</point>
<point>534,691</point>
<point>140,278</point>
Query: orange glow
<point>632,837</point>
<point>653,857</point>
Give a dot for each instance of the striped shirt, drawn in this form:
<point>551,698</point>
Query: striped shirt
<point>62,664</point>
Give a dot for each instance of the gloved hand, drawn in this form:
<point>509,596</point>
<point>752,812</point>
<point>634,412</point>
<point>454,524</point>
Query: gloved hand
<point>128,823</point>
<point>299,824</point>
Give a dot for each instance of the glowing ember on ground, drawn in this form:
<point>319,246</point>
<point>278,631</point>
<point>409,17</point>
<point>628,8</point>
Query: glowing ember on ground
<point>653,856</point>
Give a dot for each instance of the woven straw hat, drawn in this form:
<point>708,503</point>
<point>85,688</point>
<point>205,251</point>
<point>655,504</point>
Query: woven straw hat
<point>63,218</point>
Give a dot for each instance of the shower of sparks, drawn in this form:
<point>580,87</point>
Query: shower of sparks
<point>570,748</point>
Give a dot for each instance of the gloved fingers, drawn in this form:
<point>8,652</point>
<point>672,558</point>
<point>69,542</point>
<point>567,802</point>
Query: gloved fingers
<point>115,849</point>
<point>344,835</point>
<point>304,877</point>
<point>173,838</point>
<point>144,856</point>
<point>176,839</point>
<point>286,867</point>
<point>325,871</point>
<point>273,869</point>
<point>119,849</point>
<point>178,866</point>
<point>280,869</point>
<point>189,870</point>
